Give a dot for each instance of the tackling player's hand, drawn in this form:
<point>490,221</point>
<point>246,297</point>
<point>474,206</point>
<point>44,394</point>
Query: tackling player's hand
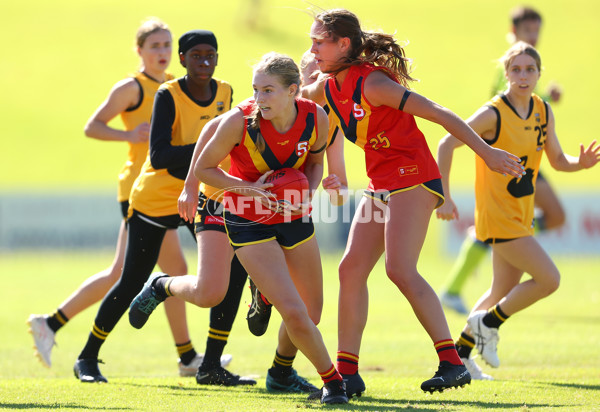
<point>504,162</point>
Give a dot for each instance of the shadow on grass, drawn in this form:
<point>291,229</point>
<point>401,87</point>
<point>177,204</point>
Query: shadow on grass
<point>572,385</point>
<point>364,403</point>
<point>195,388</point>
<point>38,405</point>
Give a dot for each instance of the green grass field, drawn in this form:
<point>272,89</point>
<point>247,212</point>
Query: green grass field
<point>63,57</point>
<point>549,353</point>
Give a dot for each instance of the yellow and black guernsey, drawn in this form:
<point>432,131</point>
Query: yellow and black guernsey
<point>177,121</point>
<point>504,207</point>
<point>132,118</point>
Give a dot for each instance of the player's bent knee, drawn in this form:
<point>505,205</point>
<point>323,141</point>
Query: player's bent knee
<point>553,284</point>
<point>113,274</point>
<point>401,277</point>
<point>349,274</point>
<point>556,220</point>
<point>550,284</point>
<point>208,299</point>
<point>315,315</point>
<point>293,315</point>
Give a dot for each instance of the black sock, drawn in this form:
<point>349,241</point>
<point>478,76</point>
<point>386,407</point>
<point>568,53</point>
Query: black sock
<point>186,352</point>
<point>223,315</point>
<point>464,345</point>
<point>57,320</point>
<point>95,341</point>
<point>282,365</point>
<point>161,286</point>
<point>494,318</point>
<point>215,344</point>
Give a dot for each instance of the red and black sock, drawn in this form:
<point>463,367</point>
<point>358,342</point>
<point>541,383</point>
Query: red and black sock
<point>330,374</point>
<point>446,351</point>
<point>347,363</point>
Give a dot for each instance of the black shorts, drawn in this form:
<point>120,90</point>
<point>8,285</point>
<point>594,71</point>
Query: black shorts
<point>244,232</point>
<point>495,240</point>
<point>209,215</point>
<point>434,186</point>
<point>541,176</point>
<point>124,208</point>
<point>165,222</point>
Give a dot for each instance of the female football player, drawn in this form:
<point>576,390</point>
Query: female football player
<point>276,245</point>
<point>550,214</point>
<point>367,89</point>
<point>132,99</point>
<point>521,122</point>
<point>182,107</point>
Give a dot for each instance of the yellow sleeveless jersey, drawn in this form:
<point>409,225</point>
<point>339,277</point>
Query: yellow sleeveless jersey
<point>155,192</point>
<point>132,118</point>
<point>503,204</point>
<point>212,192</point>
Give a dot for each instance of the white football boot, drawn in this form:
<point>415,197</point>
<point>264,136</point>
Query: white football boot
<point>191,368</point>
<point>486,338</point>
<point>43,337</point>
<point>475,370</point>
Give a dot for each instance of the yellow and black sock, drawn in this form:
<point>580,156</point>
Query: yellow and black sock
<point>446,351</point>
<point>464,345</point>
<point>282,365</point>
<point>347,363</point>
<point>186,352</point>
<point>495,317</point>
<point>57,320</point>
<point>215,344</point>
<point>222,317</point>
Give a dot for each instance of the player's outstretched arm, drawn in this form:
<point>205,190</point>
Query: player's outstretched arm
<point>381,90</point>
<point>588,156</point>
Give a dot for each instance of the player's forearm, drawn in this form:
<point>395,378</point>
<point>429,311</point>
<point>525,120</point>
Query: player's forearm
<point>101,131</point>
<point>565,163</point>
<point>314,174</point>
<point>445,155</point>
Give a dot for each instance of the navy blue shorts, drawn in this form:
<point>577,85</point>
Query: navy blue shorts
<point>244,232</point>
<point>434,186</point>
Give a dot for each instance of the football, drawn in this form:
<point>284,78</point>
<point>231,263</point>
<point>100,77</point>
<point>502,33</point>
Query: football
<point>289,185</point>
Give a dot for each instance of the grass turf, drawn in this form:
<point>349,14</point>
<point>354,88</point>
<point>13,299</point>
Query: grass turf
<point>549,353</point>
